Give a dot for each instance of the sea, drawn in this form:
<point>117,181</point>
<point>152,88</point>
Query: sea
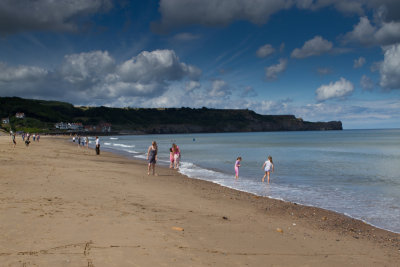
<point>353,172</point>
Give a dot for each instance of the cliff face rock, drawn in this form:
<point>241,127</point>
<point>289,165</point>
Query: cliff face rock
<point>216,121</point>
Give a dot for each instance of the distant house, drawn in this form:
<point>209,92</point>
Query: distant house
<point>20,115</point>
<point>61,126</point>
<point>5,120</point>
<point>69,126</point>
<point>105,127</point>
<point>77,126</point>
<point>88,128</point>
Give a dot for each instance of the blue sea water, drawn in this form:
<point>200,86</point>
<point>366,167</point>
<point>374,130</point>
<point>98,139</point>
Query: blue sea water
<point>354,172</point>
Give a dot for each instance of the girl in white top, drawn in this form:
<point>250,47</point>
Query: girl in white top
<point>268,167</point>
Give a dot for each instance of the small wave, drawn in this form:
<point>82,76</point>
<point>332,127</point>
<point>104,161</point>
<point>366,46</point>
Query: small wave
<point>107,144</point>
<point>114,138</point>
<point>122,145</point>
<point>132,151</point>
<point>141,156</point>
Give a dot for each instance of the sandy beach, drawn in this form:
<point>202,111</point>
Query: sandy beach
<point>61,205</point>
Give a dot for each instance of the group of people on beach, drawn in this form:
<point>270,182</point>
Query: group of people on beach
<point>268,168</point>
<point>174,157</point>
<point>25,138</point>
<point>83,141</point>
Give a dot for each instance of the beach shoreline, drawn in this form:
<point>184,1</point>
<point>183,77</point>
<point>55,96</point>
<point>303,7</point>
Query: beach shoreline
<point>214,225</point>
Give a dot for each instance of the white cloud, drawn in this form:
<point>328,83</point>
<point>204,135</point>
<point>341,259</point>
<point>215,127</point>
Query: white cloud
<point>359,62</point>
<point>338,89</point>
<point>192,85</point>
<point>9,74</point>
<point>313,47</point>
<point>26,15</point>
<point>158,65</point>
<point>272,72</point>
<point>265,51</point>
<point>87,67</point>
<point>390,68</point>
<point>219,88</point>
<point>364,32</point>
<point>366,83</point>
<point>94,77</point>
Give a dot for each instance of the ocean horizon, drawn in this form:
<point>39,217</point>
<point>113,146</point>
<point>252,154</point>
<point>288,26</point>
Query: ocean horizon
<point>353,172</point>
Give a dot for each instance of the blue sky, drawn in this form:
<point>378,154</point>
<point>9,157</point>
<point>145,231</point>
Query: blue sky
<point>320,60</point>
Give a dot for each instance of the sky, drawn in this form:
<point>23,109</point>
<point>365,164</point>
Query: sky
<point>320,60</point>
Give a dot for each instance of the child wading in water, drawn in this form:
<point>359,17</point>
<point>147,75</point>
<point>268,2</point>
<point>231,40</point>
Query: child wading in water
<point>237,165</point>
<point>268,167</point>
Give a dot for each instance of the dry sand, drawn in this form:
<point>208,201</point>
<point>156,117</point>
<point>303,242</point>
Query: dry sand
<point>65,206</point>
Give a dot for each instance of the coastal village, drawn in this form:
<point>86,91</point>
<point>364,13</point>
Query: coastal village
<point>103,127</point>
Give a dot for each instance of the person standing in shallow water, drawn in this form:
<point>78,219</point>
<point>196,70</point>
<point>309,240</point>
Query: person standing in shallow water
<point>237,165</point>
<point>152,157</point>
<point>268,167</point>
<point>177,155</point>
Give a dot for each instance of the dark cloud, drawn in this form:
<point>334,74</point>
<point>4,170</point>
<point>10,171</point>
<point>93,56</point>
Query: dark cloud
<point>365,33</point>
<point>43,15</point>
<point>178,13</point>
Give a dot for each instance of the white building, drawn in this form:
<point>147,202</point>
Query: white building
<point>20,115</point>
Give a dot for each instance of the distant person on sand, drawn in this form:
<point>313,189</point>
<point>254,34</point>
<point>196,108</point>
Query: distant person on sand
<point>87,142</point>
<point>237,165</point>
<point>13,139</point>
<point>97,145</point>
<point>171,158</point>
<point>177,155</point>
<point>152,157</point>
<point>268,167</point>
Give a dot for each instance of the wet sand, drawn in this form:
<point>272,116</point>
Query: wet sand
<point>64,206</point>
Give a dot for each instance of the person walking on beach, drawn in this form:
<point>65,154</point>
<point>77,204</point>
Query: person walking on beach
<point>177,155</point>
<point>268,167</point>
<point>97,145</point>
<point>13,138</point>
<point>87,142</point>
<point>83,141</point>
<point>152,157</point>
<point>237,165</point>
